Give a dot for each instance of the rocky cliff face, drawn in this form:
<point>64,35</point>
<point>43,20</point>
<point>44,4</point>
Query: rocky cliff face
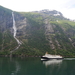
<point>38,32</point>
<point>5,20</point>
<point>21,24</point>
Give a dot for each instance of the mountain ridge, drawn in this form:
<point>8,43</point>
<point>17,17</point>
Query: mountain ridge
<point>39,31</point>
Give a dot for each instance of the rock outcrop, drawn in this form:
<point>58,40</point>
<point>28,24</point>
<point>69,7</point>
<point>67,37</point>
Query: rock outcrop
<point>38,32</point>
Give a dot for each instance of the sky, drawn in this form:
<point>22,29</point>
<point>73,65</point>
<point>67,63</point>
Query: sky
<point>66,7</point>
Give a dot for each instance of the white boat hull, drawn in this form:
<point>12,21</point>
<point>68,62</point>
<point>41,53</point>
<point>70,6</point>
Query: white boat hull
<point>46,58</point>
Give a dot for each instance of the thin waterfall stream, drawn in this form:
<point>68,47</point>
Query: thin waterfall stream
<point>14,35</point>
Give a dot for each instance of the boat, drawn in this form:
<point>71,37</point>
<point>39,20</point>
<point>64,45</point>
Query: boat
<point>49,56</point>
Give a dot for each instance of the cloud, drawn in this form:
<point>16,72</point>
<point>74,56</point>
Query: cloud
<point>64,6</point>
<point>69,13</point>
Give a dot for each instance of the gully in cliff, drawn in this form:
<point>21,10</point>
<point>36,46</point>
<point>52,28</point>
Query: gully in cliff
<point>15,29</point>
<point>14,35</point>
<point>49,56</point>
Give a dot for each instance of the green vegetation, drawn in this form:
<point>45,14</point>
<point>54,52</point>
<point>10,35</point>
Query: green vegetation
<point>7,43</point>
<point>62,34</point>
<point>35,42</point>
<point>5,11</point>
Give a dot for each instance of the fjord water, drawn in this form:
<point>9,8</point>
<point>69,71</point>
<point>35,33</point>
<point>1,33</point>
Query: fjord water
<point>34,66</point>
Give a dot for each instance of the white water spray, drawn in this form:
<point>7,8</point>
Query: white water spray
<point>15,30</point>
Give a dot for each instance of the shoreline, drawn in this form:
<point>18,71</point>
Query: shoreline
<point>31,56</point>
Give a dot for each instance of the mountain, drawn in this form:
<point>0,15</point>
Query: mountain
<point>38,32</point>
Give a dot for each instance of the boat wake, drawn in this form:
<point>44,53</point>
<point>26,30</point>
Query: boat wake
<point>69,58</point>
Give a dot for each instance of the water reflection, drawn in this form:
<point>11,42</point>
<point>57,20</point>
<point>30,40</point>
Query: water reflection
<point>9,67</point>
<point>17,69</point>
<point>33,66</point>
<point>50,62</point>
<point>17,66</point>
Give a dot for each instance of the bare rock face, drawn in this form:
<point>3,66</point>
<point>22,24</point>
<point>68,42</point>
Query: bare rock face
<point>21,23</point>
<point>48,26</point>
<point>48,31</point>
<point>6,21</point>
<point>38,31</point>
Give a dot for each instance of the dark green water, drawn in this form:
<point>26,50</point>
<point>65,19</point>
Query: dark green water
<point>34,66</point>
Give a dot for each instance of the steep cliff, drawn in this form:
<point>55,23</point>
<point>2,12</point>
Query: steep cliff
<point>38,32</point>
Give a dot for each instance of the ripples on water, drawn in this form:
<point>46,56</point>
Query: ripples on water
<point>69,58</point>
<point>34,66</point>
<point>55,61</point>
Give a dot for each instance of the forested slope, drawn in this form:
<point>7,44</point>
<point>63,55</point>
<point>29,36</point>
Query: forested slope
<point>39,32</point>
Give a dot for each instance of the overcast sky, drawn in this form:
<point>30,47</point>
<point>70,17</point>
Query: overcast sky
<point>66,7</point>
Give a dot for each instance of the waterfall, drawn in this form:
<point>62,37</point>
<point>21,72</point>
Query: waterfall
<point>15,30</point>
